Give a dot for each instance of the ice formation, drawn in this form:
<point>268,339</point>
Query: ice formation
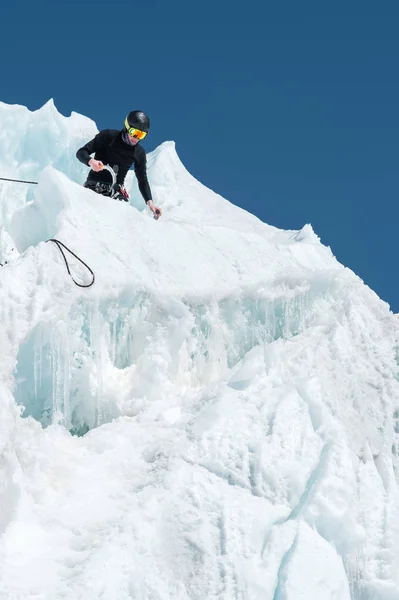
<point>217,417</point>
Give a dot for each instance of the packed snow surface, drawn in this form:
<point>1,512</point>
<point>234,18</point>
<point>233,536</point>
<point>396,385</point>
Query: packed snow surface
<point>217,417</point>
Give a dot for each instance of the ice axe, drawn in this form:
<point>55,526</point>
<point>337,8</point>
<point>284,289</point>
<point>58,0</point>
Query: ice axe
<point>113,173</point>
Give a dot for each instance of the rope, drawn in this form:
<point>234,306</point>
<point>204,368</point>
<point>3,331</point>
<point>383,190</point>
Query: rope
<point>59,244</point>
<point>17,180</point>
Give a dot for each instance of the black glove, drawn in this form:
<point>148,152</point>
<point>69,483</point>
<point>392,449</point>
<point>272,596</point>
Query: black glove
<point>120,193</point>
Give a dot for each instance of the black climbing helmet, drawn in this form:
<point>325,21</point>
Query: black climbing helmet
<point>138,120</point>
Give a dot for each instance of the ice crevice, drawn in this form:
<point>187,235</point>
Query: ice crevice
<point>279,593</point>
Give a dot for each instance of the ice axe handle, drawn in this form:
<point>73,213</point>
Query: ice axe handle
<point>112,172</point>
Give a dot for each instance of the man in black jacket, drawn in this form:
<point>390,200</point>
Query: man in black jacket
<point>120,150</point>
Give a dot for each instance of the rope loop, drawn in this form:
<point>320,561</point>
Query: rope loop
<point>60,246</point>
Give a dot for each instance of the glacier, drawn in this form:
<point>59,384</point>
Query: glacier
<point>217,417</point>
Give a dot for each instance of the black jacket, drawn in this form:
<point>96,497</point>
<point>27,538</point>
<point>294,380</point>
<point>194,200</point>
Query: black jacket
<point>110,148</point>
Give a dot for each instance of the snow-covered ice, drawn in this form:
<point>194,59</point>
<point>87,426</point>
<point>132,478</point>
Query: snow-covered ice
<point>217,417</point>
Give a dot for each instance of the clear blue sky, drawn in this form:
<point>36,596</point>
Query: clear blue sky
<point>288,109</point>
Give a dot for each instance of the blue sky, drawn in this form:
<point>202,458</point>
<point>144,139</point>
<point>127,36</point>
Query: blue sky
<point>288,109</point>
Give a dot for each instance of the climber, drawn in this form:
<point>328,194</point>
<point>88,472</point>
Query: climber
<point>120,150</point>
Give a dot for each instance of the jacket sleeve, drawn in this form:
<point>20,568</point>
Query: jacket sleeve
<point>140,168</point>
<point>83,154</point>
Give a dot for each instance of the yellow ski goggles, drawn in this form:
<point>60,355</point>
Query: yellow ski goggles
<point>137,133</point>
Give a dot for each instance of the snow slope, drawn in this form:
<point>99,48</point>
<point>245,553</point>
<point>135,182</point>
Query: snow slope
<point>217,417</point>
